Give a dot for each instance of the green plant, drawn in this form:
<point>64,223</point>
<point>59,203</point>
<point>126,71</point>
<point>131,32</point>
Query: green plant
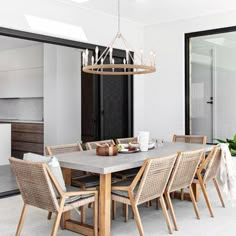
<point>232,144</point>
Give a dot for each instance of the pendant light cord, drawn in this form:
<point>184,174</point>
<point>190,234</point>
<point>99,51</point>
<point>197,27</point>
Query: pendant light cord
<point>118,16</point>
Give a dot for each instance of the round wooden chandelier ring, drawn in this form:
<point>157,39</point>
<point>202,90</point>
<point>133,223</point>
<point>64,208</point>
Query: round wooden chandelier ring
<point>98,69</point>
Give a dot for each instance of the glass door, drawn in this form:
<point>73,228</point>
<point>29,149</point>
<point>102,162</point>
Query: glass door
<point>212,83</point>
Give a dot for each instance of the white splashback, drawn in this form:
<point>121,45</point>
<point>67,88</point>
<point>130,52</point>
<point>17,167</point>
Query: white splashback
<point>21,108</point>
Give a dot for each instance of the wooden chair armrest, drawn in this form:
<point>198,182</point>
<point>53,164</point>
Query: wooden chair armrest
<point>71,194</point>
<point>121,188</point>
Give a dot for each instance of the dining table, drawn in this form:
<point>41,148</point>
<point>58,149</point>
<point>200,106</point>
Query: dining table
<point>104,166</point>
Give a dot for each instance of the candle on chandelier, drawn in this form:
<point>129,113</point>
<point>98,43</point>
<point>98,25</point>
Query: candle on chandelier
<point>96,54</point>
<point>124,61</point>
<point>86,57</point>
<point>83,58</point>
<point>110,50</point>
<point>127,56</point>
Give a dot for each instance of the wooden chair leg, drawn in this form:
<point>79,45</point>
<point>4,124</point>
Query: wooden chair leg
<point>83,214</point>
<point>194,202</point>
<point>157,203</point>
<point>137,219</point>
<point>49,215</point>
<point>126,212</point>
<point>205,196</point>
<point>182,194</point>
<point>165,213</point>
<point>172,213</point>
<point>56,223</point>
<point>113,210</point>
<point>219,192</point>
<point>95,216</point>
<point>21,221</point>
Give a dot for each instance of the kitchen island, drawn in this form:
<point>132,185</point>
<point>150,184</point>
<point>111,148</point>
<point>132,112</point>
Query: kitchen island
<point>5,143</point>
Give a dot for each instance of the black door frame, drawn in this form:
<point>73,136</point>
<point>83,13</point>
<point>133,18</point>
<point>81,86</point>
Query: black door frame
<point>188,36</point>
<point>74,44</point>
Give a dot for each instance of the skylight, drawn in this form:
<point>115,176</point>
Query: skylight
<point>56,28</point>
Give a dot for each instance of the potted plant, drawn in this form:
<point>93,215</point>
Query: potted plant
<point>232,144</point>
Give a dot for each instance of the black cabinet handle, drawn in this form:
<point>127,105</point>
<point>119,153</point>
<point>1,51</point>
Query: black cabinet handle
<point>211,102</point>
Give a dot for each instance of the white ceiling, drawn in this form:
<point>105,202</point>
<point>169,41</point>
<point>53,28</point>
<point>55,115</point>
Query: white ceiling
<point>156,11</point>
<point>10,43</point>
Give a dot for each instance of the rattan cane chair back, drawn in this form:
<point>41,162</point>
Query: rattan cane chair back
<point>212,166</point>
<point>126,140</point>
<point>66,148</point>
<point>208,171</point>
<point>190,139</point>
<point>155,178</point>
<point>34,184</point>
<point>184,170</point>
<point>93,145</point>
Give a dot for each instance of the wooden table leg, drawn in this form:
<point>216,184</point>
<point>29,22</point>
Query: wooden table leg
<point>67,178</point>
<point>105,205</point>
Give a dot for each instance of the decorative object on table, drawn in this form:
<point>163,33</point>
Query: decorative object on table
<point>106,150</point>
<point>151,145</point>
<point>128,148</point>
<point>143,139</point>
<point>93,145</point>
<point>232,144</point>
<point>160,143</point>
<point>105,64</point>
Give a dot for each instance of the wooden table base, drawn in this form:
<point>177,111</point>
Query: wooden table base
<point>195,188</point>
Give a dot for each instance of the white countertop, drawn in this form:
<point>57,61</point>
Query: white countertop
<point>21,121</point>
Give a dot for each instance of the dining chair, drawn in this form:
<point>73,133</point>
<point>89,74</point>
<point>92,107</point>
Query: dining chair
<point>208,171</point>
<point>130,173</point>
<point>126,174</point>
<point>93,145</point>
<point>41,194</point>
<point>149,183</point>
<point>65,148</point>
<point>79,178</point>
<point>199,139</point>
<point>126,140</point>
<point>182,177</point>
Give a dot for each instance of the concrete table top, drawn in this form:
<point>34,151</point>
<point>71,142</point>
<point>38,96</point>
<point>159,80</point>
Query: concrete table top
<point>89,161</point>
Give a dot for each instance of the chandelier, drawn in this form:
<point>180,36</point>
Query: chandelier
<point>105,64</point>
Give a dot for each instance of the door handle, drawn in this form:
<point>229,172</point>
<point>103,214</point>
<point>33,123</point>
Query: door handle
<point>210,102</point>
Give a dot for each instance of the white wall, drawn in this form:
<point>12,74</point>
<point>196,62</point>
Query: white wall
<point>164,90</point>
<point>62,95</point>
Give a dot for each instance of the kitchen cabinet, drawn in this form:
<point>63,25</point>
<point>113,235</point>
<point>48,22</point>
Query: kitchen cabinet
<point>26,137</point>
